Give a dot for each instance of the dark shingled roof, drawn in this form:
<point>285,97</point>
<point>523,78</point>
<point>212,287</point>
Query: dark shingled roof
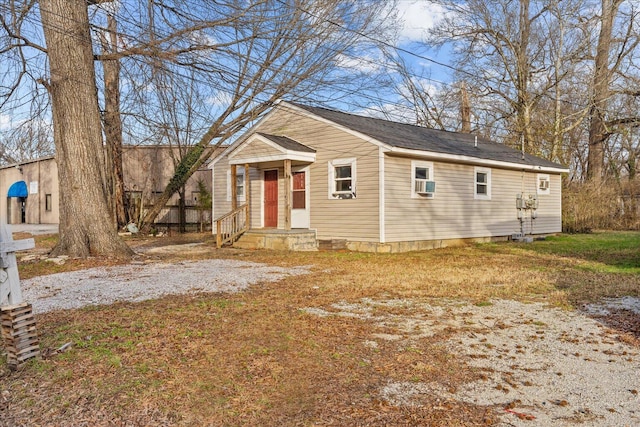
<point>287,143</point>
<point>424,139</point>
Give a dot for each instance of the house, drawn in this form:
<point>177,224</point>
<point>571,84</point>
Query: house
<point>31,187</point>
<point>305,174</point>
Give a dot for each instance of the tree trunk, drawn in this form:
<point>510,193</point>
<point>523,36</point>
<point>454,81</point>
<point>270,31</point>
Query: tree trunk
<point>600,93</point>
<point>465,109</point>
<point>523,65</point>
<point>113,124</point>
<point>86,226</point>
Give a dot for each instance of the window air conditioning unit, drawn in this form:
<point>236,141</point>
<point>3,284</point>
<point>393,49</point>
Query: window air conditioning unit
<point>425,187</point>
<point>544,184</point>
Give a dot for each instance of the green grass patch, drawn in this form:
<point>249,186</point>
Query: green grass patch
<point>606,252</point>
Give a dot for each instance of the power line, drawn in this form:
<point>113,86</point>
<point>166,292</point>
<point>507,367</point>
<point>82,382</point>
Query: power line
<point>233,73</point>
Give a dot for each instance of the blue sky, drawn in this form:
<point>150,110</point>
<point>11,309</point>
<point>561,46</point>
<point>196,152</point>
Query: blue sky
<point>417,16</point>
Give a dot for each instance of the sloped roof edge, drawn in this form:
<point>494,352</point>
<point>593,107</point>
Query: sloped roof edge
<point>411,138</point>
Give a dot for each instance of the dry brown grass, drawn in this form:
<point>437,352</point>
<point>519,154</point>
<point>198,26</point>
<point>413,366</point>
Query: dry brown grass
<point>256,358</point>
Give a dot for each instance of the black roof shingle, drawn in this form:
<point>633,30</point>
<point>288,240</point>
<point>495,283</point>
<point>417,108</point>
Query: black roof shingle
<point>413,137</point>
<point>287,143</point>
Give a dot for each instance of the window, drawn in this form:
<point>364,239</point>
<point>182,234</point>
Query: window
<point>48,203</point>
<point>482,183</point>
<point>240,187</point>
<point>299,193</point>
<point>342,179</point>
<point>544,184</point>
<point>423,185</point>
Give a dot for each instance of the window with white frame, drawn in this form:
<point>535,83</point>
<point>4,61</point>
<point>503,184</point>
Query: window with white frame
<point>422,182</point>
<point>240,184</point>
<point>544,184</point>
<point>482,183</point>
<point>342,179</point>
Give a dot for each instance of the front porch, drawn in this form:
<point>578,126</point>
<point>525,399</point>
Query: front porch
<point>269,175</point>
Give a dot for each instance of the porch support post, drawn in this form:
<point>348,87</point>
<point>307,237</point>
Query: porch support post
<point>234,188</point>
<point>287,194</point>
<point>247,192</point>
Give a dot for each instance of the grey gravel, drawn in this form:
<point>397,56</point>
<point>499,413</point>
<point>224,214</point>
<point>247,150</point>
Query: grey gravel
<point>139,282</point>
<point>562,367</point>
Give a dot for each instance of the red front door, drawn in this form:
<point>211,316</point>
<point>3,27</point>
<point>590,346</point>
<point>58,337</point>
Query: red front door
<point>271,198</point>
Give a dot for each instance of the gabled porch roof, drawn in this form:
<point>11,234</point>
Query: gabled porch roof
<point>263,148</point>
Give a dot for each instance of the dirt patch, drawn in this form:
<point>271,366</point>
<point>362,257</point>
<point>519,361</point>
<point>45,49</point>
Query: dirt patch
<point>537,363</point>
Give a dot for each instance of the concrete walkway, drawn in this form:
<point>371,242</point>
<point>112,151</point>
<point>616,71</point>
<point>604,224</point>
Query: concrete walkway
<point>34,228</point>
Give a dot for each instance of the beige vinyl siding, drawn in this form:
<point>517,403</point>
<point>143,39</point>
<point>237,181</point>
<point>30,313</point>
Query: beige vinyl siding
<point>453,212</point>
<point>256,149</point>
<point>219,194</point>
<point>221,205</point>
<point>353,219</point>
<point>255,183</point>
<point>549,206</point>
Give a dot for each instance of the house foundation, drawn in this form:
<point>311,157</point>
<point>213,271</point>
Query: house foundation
<point>418,245</point>
<point>284,240</point>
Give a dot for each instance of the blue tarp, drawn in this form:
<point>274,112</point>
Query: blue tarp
<point>18,189</point>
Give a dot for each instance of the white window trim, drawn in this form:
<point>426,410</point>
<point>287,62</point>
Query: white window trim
<point>543,177</point>
<point>421,164</point>
<point>486,171</point>
<point>332,164</point>
<point>239,172</point>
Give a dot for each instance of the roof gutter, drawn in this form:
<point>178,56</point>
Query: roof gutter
<point>456,158</point>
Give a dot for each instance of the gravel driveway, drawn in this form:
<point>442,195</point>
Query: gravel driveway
<point>139,282</point>
<point>542,366</point>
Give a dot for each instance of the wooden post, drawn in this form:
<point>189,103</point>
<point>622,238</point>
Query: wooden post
<point>10,292</point>
<point>17,323</point>
<point>219,234</point>
<point>234,188</point>
<point>287,194</point>
<point>247,194</point>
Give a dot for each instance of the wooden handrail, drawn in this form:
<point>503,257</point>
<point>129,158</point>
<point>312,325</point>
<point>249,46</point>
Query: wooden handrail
<point>231,225</point>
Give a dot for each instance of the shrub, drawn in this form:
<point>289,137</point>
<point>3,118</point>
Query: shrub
<point>589,206</point>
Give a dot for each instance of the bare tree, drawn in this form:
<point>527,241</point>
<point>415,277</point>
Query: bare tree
<point>112,121</point>
<point>616,50</point>
<point>245,55</point>
<point>28,140</point>
<point>499,46</point>
<point>86,224</point>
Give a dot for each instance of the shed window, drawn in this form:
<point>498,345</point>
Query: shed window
<point>342,179</point>
<point>482,183</point>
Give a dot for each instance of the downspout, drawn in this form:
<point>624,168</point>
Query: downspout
<point>381,207</point>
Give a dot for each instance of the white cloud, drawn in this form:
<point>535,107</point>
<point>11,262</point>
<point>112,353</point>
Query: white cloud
<point>366,64</point>
<point>417,16</point>
<point>220,100</point>
<point>6,123</point>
